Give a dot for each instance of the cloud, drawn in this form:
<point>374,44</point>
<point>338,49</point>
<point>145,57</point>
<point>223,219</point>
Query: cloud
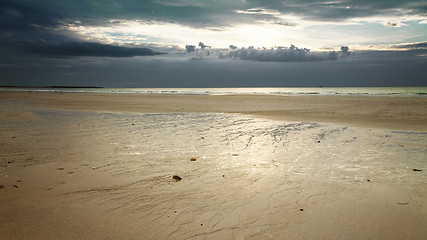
<point>199,13</point>
<point>190,48</point>
<point>282,54</point>
<point>162,72</point>
<point>28,29</point>
<point>200,53</point>
<point>203,46</point>
<point>390,24</point>
<point>15,16</point>
<point>277,54</point>
<point>260,11</point>
<point>320,11</point>
<point>403,53</point>
<point>50,19</point>
<point>412,46</point>
<point>345,51</point>
<point>74,49</point>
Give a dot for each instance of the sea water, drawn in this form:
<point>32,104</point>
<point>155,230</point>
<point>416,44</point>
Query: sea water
<point>332,91</point>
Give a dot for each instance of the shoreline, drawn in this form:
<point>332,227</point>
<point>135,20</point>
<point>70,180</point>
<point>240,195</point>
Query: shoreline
<point>411,92</point>
<point>396,112</point>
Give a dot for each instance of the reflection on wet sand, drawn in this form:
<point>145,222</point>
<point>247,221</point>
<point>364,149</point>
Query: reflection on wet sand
<point>104,175</point>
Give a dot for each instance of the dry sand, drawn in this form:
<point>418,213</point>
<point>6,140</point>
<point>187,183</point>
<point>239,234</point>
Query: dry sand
<point>101,166</point>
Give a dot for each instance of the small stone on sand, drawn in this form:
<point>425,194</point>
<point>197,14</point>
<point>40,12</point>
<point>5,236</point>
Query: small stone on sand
<point>1,186</point>
<point>301,209</point>
<point>417,170</point>
<point>61,168</point>
<point>193,159</point>
<point>177,178</point>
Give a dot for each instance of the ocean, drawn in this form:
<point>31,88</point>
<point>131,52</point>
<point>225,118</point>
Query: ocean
<point>341,91</point>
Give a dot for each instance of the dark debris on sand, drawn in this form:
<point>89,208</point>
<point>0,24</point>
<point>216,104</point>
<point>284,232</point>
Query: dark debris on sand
<point>177,178</point>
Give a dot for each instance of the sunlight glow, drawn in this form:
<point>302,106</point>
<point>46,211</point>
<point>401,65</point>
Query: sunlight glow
<point>281,30</point>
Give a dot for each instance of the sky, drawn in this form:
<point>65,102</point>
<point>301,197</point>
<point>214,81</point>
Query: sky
<point>213,43</point>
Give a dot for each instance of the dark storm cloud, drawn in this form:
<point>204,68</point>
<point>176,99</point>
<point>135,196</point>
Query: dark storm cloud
<point>414,52</point>
<point>19,22</point>
<point>361,70</point>
<point>403,55</point>
<point>413,46</point>
<point>335,10</point>
<point>150,10</point>
<point>198,13</point>
<point>74,48</point>
<point>15,16</point>
<point>29,29</point>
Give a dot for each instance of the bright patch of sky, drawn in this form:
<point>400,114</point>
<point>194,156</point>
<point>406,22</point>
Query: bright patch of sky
<point>282,30</point>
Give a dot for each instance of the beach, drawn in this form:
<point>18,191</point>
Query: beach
<point>408,113</point>
<point>141,166</point>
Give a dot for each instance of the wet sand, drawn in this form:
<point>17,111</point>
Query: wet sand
<point>99,166</point>
<point>382,112</point>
